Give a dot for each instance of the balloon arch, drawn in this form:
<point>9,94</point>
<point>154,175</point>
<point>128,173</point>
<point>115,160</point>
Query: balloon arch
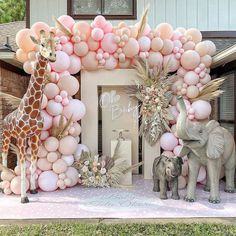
<point>101,45</point>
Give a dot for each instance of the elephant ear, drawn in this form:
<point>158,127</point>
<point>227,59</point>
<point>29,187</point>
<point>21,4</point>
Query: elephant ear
<point>215,144</point>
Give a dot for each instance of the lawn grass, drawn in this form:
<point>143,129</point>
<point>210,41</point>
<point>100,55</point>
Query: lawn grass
<point>170,229</point>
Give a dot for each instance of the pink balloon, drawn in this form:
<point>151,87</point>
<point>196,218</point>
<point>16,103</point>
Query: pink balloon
<point>51,144</point>
<point>76,109</point>
<point>81,49</point>
<point>68,145</point>
<point>89,61</point>
<point>190,45</point>
<point>67,21</point>
<point>157,44</point>
<point>168,141</point>
<point>48,181</point>
<point>59,166</point>
<point>62,62</point>
<point>191,78</point>
<point>171,62</point>
<point>195,35</point>
<point>43,164</point>
<point>181,72</point>
<point>107,27</point>
<point>70,84</point>
<point>211,47</point>
<point>79,149</point>
<point>206,60</point>
<point>125,64</point>
<point>16,185</point>
<point>51,90</point>
<point>176,35</point>
<point>53,108</point>
<point>192,91</point>
<point>28,67</point>
<point>174,111</point>
<point>44,102</point>
<point>52,156</point>
<point>75,64</point>
<point>72,174</point>
<point>67,48</point>
<point>44,134</point>
<point>205,79</point>
<point>168,154</point>
<point>64,73</point>
<point>42,152</point>
<point>131,48</point>
<point>92,44</point>
<point>177,150</point>
<point>108,43</point>
<point>202,109</point>
<point>155,59</point>
<point>190,59</point>
<point>144,43</point>
<point>182,182</point>
<point>99,21</point>
<point>97,34</point>
<point>21,55</point>
<point>201,174</point>
<point>56,120</point>
<point>63,39</point>
<point>47,120</point>
<point>111,63</point>
<point>38,26</point>
<point>54,77</point>
<point>201,48</point>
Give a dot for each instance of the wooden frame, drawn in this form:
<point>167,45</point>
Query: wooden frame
<point>133,16</point>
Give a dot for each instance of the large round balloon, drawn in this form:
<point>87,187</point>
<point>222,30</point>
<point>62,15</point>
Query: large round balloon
<point>89,61</point>
<point>70,84</point>
<point>75,64</point>
<point>108,43</point>
<point>165,30</point>
<point>48,181</point>
<point>131,48</point>
<point>75,109</point>
<point>168,141</point>
<point>67,145</point>
<point>38,26</point>
<point>72,174</point>
<point>24,41</point>
<point>16,185</point>
<point>62,62</point>
<point>190,59</point>
<point>155,59</point>
<point>202,109</point>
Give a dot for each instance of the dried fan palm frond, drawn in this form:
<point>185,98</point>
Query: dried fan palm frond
<point>62,28</point>
<point>10,99</point>
<point>210,90</point>
<point>142,23</point>
<point>133,167</point>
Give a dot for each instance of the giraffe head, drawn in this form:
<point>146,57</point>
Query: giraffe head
<point>47,45</point>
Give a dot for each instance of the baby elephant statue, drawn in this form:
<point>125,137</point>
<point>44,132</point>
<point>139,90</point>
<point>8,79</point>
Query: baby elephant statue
<point>166,170</point>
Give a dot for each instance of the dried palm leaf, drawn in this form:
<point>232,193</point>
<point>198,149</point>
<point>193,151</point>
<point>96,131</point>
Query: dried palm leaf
<point>62,28</point>
<point>10,99</point>
<point>210,90</point>
<point>64,129</point>
<point>142,23</point>
<point>133,167</point>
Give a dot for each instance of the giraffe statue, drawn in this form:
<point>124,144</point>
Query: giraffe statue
<point>25,123</point>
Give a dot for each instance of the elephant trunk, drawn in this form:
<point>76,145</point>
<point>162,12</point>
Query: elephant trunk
<point>182,119</point>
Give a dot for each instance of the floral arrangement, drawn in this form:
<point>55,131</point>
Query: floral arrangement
<point>102,171</point>
<point>153,90</point>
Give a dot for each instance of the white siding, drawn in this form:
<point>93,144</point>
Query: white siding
<point>203,14</point>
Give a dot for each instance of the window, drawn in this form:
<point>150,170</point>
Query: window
<point>226,103</point>
<point>111,9</point>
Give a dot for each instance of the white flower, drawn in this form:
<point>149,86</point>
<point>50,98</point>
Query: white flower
<point>85,169</point>
<point>96,158</point>
<point>103,171</point>
<point>86,163</point>
<point>79,175</point>
<point>91,179</point>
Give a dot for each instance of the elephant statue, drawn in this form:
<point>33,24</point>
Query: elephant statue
<point>166,169</point>
<point>208,144</point>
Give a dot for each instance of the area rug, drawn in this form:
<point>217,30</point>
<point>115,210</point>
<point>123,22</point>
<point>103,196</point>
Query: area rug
<point>138,201</point>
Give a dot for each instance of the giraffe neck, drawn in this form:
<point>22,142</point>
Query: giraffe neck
<point>31,102</point>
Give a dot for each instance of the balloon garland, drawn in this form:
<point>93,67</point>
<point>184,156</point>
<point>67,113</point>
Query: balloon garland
<point>101,45</point>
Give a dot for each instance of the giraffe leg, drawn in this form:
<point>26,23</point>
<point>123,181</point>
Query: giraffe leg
<point>22,147</point>
<point>34,151</point>
<point>6,136</point>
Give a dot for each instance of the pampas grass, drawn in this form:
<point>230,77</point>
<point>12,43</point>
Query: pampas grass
<point>210,91</point>
<point>62,28</point>
<point>142,23</point>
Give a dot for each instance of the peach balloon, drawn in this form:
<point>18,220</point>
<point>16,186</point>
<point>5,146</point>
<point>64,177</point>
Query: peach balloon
<point>62,62</point>
<point>48,181</point>
<point>59,166</point>
<point>67,48</point>
<point>7,191</point>
<point>47,120</point>
<point>82,27</point>
<point>52,156</point>
<point>51,144</point>
<point>76,109</point>
<point>190,45</point>
<point>92,44</point>
<point>168,47</point>
<point>51,90</point>
<point>211,47</point>
<point>43,164</point>
<point>165,30</point>
<point>17,170</point>
<point>201,48</point>
<point>72,174</point>
<point>28,67</point>
<point>24,41</point>
<point>111,63</point>
<point>38,26</point>
<point>192,91</point>
<point>69,159</point>
<point>81,49</point>
<point>191,78</point>
<point>181,72</point>
<point>21,55</point>
<point>67,21</point>
<point>157,44</point>
<point>61,184</point>
<point>206,60</point>
<point>108,43</point>
<point>99,21</point>
<point>54,108</point>
<point>202,109</point>
<point>125,64</point>
<point>201,174</point>
<point>144,43</point>
<point>67,182</point>
<point>7,175</point>
<point>70,84</point>
<point>16,185</point>
<point>131,48</point>
<point>195,34</point>
<point>155,59</point>
<point>97,34</point>
<point>190,60</point>
<point>75,64</point>
<point>205,79</point>
<point>89,61</point>
<point>44,135</point>
<point>67,145</point>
